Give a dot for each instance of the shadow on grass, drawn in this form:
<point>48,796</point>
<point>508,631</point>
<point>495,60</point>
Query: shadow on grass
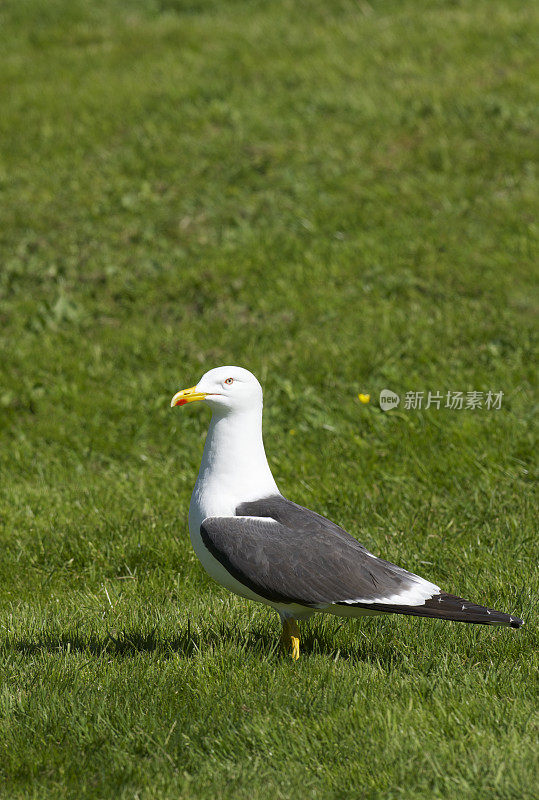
<point>188,644</point>
<point>119,644</point>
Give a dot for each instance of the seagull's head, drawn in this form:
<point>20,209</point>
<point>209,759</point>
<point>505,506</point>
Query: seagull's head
<point>225,389</point>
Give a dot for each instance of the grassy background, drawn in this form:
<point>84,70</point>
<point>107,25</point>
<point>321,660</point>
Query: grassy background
<point>339,196</point>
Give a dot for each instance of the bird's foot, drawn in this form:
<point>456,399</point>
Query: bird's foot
<point>290,638</point>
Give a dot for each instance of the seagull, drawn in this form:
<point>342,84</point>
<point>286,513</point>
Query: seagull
<point>263,547</point>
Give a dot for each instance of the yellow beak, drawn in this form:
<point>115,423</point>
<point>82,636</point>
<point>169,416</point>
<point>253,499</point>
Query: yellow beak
<point>187,396</point>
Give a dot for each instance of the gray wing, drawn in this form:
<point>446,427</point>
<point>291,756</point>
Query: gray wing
<point>288,554</point>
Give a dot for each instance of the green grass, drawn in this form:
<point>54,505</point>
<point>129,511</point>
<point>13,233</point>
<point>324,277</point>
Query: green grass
<point>340,196</point>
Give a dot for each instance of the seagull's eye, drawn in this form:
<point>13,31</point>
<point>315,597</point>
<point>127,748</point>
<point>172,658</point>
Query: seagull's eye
<point>229,381</point>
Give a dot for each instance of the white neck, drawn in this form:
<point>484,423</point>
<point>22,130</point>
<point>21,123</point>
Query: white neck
<point>234,467</point>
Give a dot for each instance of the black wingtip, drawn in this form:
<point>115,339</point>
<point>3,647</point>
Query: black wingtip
<point>451,607</point>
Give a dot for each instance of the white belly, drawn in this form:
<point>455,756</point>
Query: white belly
<point>199,510</point>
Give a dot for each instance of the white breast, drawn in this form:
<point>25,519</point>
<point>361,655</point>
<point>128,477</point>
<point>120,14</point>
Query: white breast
<point>234,470</point>
<point>206,503</point>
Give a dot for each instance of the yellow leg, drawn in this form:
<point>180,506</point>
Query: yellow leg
<point>290,637</point>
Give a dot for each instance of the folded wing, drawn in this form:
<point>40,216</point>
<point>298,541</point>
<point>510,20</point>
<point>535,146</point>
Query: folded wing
<point>289,554</point>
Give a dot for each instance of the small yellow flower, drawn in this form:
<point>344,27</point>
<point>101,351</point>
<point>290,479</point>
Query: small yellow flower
<point>364,398</point>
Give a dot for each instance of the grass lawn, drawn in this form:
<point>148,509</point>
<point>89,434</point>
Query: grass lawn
<point>341,197</point>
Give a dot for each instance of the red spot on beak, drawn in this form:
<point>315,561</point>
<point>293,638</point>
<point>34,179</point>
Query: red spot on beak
<point>181,403</point>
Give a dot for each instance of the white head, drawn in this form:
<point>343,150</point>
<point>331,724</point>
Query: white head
<point>225,389</point>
